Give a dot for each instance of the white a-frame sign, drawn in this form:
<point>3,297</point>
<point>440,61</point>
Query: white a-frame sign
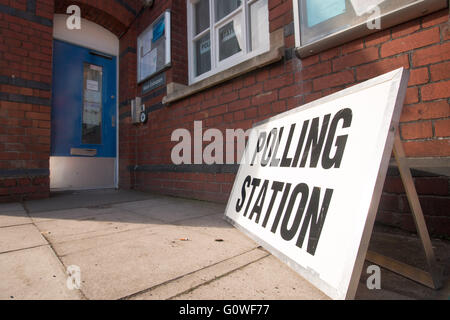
<point>310,181</point>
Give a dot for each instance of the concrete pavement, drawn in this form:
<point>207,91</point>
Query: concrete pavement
<point>132,245</point>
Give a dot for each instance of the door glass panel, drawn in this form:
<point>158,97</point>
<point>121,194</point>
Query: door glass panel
<point>201,16</point>
<point>230,38</point>
<point>92,104</point>
<point>259,24</point>
<point>224,7</point>
<point>202,55</point>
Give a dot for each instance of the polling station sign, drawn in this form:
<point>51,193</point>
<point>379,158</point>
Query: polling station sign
<point>310,180</point>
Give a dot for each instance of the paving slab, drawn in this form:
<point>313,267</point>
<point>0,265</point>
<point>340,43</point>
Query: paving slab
<point>146,203</point>
<point>10,207</point>
<point>14,218</point>
<point>266,279</point>
<point>96,224</point>
<point>363,293</point>
<point>20,237</point>
<point>67,214</point>
<point>150,259</point>
<point>408,249</point>
<point>396,287</point>
<point>34,273</point>
<point>212,225</point>
<point>104,241</point>
<point>201,277</point>
<point>12,214</point>
<point>141,246</point>
<point>83,199</point>
<point>176,210</point>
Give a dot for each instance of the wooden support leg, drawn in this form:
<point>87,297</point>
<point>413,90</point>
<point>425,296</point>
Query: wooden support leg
<point>431,278</point>
<point>401,268</point>
<point>414,204</point>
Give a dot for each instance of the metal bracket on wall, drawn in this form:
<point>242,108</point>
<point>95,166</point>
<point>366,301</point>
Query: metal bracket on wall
<point>432,277</point>
<point>136,110</point>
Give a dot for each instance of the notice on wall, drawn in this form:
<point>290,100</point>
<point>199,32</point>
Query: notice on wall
<point>92,85</point>
<point>149,62</point>
<point>153,46</point>
<point>92,96</point>
<point>92,113</point>
<point>205,46</point>
<point>310,180</point>
<point>158,30</point>
<point>146,43</point>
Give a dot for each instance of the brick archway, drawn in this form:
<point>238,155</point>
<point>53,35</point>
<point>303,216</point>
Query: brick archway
<point>114,15</point>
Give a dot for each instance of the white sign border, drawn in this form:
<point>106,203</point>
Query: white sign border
<point>399,78</point>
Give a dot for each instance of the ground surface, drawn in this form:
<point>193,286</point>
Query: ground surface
<point>132,245</point>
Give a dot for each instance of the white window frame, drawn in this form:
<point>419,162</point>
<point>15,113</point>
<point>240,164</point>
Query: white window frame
<point>357,30</point>
<point>216,65</point>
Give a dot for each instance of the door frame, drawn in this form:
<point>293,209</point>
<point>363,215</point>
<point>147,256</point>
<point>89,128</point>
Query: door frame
<point>93,36</point>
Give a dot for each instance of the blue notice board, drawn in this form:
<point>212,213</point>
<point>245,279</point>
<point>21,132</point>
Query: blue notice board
<point>158,30</point>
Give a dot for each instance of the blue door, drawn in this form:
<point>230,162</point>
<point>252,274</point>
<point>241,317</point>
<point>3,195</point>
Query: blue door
<point>83,140</point>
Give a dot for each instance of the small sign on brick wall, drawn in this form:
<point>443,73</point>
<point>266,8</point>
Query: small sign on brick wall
<point>154,83</point>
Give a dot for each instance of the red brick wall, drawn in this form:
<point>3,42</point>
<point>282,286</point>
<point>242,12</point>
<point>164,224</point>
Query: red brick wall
<point>25,92</point>
<point>129,150</point>
<point>421,45</point>
<point>26,41</point>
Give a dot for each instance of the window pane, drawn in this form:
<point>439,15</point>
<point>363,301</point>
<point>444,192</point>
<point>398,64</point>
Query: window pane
<point>230,38</point>
<point>202,55</point>
<point>224,7</point>
<point>259,25</point>
<point>201,9</point>
<point>92,104</point>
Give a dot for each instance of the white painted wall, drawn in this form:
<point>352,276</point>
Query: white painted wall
<point>91,35</point>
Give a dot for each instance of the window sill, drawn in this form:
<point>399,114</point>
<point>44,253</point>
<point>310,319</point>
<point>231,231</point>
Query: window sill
<point>176,91</point>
